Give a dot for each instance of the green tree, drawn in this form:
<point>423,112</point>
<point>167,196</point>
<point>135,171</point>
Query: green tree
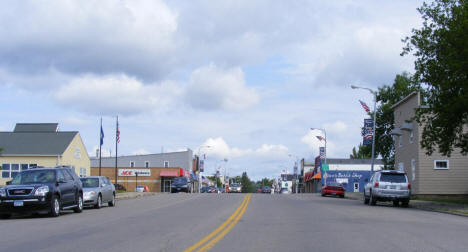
<point>363,152</point>
<point>441,50</point>
<point>247,185</point>
<point>266,182</point>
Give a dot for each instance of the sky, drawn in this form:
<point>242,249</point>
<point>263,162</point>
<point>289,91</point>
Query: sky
<point>248,78</point>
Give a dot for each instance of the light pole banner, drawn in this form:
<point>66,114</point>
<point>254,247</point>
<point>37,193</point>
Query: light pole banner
<point>322,152</point>
<point>202,165</point>
<point>367,132</point>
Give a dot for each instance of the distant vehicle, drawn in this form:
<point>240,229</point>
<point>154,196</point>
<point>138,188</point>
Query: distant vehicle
<point>333,188</point>
<point>212,189</point>
<point>266,189</point>
<point>141,188</point>
<point>181,184</point>
<point>388,185</point>
<point>284,191</point>
<point>235,188</point>
<point>259,190</point>
<point>119,187</point>
<point>42,190</point>
<point>98,190</point>
<point>220,190</point>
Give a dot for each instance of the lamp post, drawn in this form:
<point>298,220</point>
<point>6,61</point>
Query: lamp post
<point>373,130</point>
<point>325,133</point>
<point>199,172</point>
<point>295,171</point>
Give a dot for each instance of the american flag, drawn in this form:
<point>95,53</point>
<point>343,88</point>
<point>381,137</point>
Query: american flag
<point>321,138</point>
<point>364,105</point>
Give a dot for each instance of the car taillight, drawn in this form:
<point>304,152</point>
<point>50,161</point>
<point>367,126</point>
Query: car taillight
<point>409,186</point>
<point>376,184</point>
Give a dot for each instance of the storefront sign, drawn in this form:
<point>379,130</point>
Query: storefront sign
<point>132,172</point>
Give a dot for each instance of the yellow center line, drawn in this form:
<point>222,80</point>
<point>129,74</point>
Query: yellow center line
<point>222,226</point>
<point>211,243</point>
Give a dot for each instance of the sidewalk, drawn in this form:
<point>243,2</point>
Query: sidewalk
<point>132,195</point>
<point>442,207</point>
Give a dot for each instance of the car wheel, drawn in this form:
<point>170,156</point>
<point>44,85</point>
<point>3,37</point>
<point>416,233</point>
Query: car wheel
<point>405,203</point>
<point>342,196</point>
<point>55,206</point>
<point>112,202</point>
<point>372,199</point>
<point>5,216</point>
<point>323,195</point>
<point>99,202</point>
<point>79,207</point>
<point>395,203</point>
<point>365,199</point>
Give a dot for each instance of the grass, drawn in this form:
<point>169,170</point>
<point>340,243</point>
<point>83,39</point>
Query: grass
<point>455,201</point>
<point>121,191</point>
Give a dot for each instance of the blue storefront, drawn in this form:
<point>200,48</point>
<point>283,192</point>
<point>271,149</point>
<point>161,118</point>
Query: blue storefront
<point>353,181</point>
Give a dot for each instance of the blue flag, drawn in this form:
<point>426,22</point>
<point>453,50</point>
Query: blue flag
<point>102,136</point>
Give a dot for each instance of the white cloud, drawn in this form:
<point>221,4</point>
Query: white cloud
<point>113,95</point>
<point>336,127</point>
<point>311,139</point>
<point>213,88</point>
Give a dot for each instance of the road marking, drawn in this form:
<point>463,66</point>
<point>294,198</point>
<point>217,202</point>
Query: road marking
<point>231,221</point>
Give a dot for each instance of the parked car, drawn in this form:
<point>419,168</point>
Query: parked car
<point>119,187</point>
<point>141,188</point>
<point>333,188</point>
<point>42,190</point>
<point>284,191</point>
<point>388,185</point>
<point>266,189</point>
<point>235,188</point>
<point>181,184</point>
<point>98,190</point>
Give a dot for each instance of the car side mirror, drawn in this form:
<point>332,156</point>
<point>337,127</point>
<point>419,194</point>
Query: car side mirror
<point>102,185</point>
<point>8,182</point>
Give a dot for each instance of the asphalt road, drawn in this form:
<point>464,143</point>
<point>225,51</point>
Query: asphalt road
<point>237,222</point>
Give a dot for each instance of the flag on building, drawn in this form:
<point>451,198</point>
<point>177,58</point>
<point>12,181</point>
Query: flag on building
<point>321,138</point>
<point>364,106</point>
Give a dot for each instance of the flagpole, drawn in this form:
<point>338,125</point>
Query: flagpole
<point>100,144</point>
<point>116,145</point>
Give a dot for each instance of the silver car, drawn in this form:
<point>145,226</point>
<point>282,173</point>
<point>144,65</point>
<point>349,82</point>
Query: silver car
<point>388,185</point>
<point>98,190</point>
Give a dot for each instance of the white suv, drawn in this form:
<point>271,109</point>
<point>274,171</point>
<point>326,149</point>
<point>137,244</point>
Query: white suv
<point>388,185</point>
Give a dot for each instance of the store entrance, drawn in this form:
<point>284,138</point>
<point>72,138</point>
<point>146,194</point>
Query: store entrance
<point>166,185</point>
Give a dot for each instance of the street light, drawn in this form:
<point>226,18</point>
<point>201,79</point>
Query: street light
<point>199,172</point>
<point>373,130</point>
<point>325,133</point>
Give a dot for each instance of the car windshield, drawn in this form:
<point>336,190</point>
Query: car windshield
<point>333,184</point>
<point>34,177</point>
<point>393,177</point>
<point>234,185</point>
<point>90,182</point>
<point>180,180</point>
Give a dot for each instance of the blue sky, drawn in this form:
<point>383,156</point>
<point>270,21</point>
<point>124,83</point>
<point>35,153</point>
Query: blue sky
<point>248,78</point>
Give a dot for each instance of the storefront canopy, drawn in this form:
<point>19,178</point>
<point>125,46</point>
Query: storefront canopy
<point>168,174</point>
<point>317,176</point>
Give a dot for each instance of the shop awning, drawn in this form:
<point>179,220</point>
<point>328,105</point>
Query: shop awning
<point>317,176</point>
<point>168,174</point>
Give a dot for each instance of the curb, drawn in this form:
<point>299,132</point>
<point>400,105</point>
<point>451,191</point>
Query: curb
<point>133,195</point>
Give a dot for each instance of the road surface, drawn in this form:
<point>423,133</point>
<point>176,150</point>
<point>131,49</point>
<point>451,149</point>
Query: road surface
<point>238,222</point>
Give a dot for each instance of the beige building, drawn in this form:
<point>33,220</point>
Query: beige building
<point>428,175</point>
<point>41,144</point>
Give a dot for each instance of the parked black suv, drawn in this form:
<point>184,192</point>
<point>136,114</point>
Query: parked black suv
<point>181,184</point>
<point>42,190</point>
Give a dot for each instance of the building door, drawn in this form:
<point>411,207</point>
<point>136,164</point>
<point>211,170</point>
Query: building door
<point>167,186</point>
<point>356,187</point>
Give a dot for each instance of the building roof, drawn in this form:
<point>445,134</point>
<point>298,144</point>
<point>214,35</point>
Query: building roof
<point>404,99</point>
<point>36,127</point>
<point>35,143</point>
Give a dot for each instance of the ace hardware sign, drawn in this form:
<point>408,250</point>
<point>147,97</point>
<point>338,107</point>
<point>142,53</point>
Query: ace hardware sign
<point>132,172</point>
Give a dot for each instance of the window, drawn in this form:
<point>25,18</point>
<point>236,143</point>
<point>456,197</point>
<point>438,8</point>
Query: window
<point>24,167</point>
<point>146,164</point>
<point>411,137</point>
<point>32,165</point>
<point>5,170</point>
<point>67,175</point>
<point>132,164</point>
<point>14,170</point>
<point>400,142</point>
<point>441,164</point>
<point>82,172</point>
<point>166,164</point>
<point>60,176</point>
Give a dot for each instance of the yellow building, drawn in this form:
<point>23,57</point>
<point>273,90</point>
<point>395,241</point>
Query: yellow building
<point>41,144</point>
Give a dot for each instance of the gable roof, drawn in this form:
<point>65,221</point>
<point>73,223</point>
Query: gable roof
<point>36,127</point>
<point>35,143</point>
